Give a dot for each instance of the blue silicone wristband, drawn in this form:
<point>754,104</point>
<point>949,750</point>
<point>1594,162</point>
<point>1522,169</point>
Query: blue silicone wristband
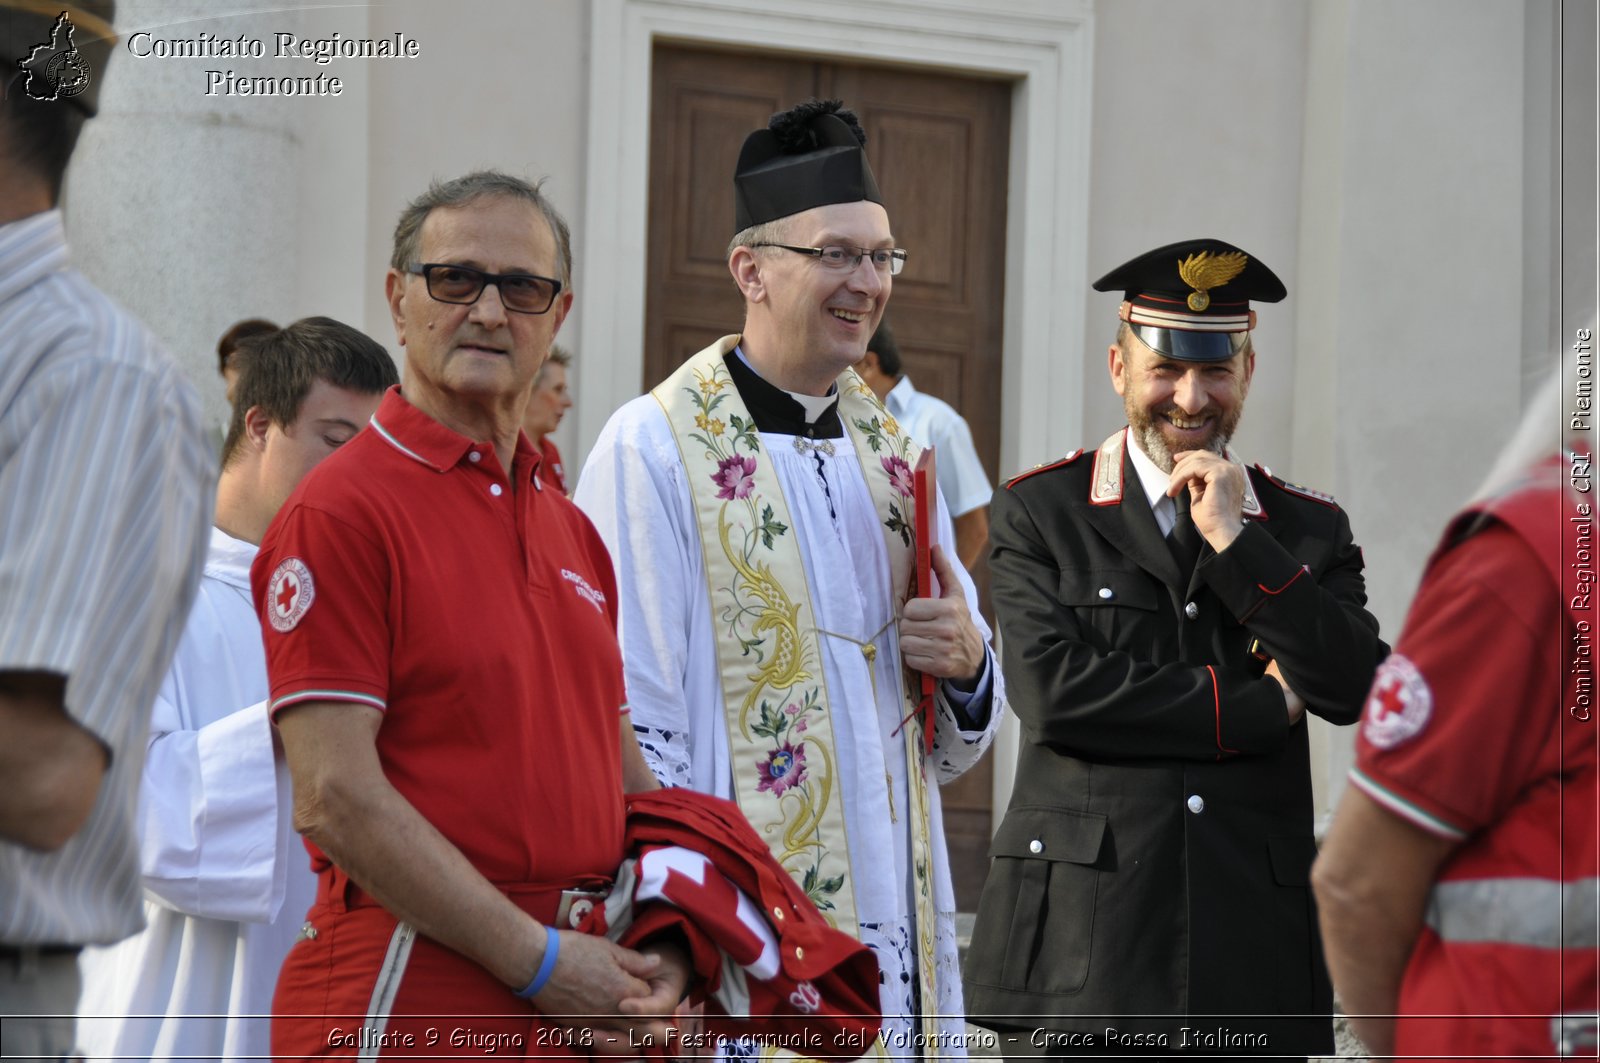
<point>552,946</point>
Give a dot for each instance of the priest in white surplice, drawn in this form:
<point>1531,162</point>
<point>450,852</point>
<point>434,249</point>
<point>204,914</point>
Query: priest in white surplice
<point>226,880</point>
<point>758,506</point>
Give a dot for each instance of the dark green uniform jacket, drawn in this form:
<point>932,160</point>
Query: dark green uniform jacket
<point>1154,858</point>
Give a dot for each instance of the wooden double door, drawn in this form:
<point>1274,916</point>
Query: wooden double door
<point>939,145</point>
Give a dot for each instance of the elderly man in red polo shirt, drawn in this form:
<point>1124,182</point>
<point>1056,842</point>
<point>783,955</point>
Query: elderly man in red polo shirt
<point>441,648</point>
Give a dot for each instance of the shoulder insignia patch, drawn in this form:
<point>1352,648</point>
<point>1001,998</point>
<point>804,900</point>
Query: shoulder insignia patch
<point>1297,489</point>
<point>1251,503</point>
<point>1045,466</point>
<point>1105,482</point>
<point>1398,706</point>
<point>289,594</point>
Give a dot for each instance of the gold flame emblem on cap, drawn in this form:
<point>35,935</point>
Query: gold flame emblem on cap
<point>1203,271</point>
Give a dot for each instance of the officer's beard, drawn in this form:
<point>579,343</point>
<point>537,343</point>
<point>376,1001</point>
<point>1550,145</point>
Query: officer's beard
<point>1147,432</point>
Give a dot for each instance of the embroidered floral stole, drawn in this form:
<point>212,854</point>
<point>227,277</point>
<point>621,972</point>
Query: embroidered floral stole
<point>781,739</point>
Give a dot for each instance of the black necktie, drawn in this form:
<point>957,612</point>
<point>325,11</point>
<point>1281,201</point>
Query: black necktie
<point>1185,537</point>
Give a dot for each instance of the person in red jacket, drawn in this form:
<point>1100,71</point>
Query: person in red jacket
<point>1458,884</point>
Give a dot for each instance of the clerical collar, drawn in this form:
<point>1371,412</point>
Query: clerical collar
<point>784,412</point>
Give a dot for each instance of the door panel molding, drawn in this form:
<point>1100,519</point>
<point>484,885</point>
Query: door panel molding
<point>1044,45</point>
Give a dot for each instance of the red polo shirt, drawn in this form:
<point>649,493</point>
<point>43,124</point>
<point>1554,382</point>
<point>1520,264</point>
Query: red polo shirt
<point>478,612</point>
<point>1469,734</point>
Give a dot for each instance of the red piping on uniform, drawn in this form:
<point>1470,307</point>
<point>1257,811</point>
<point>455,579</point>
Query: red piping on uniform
<point>1216,703</point>
<point>1300,492</point>
<point>1268,590</point>
<point>1068,460</point>
<point>1146,297</point>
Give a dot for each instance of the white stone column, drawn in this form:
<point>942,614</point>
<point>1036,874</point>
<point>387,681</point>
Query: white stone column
<point>196,210</point>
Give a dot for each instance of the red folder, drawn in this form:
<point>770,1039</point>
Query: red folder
<point>925,487</point>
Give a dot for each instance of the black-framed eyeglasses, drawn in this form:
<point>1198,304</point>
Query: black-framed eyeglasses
<point>890,260</point>
<point>520,293</point>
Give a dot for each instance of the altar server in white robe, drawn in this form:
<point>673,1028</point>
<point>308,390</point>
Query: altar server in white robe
<point>226,880</point>
<point>758,507</point>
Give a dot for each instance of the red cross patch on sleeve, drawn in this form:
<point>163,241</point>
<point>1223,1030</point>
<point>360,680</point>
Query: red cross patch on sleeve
<point>289,594</point>
<point>1399,704</point>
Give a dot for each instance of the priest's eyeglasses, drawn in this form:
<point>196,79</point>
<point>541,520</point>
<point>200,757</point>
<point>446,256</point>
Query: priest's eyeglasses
<point>520,293</point>
<point>890,260</point>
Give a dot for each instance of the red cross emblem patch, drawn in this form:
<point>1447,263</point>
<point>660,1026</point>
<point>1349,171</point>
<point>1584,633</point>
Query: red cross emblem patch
<point>289,594</point>
<point>1399,704</point>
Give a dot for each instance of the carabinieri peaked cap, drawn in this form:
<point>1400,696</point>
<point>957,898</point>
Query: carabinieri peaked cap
<point>56,52</point>
<point>1191,300</point>
<point>808,156</point>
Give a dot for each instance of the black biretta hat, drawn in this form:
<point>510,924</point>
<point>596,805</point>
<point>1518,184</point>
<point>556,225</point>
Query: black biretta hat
<point>1191,300</point>
<point>808,156</point>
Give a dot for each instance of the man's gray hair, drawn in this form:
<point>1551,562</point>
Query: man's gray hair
<point>768,232</point>
<point>467,189</point>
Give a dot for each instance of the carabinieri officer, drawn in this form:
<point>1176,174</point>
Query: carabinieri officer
<point>1169,616</point>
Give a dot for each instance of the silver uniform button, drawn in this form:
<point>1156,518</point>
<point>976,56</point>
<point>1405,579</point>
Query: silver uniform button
<point>1036,846</point>
<point>1107,593</point>
<point>1196,803</point>
<point>1191,611</point>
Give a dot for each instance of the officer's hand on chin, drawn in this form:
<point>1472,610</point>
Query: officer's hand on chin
<point>1216,493</point>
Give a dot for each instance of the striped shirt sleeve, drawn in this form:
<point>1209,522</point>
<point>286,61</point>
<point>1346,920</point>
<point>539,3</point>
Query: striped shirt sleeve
<point>103,502</point>
<point>106,487</point>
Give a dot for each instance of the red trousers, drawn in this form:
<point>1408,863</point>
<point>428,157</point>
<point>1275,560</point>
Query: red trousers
<point>361,984</point>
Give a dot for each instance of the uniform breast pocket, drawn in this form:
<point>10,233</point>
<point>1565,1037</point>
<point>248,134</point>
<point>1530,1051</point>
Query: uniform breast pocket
<point>1110,601</point>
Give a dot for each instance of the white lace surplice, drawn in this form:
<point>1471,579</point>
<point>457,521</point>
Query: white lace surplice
<point>633,488</point>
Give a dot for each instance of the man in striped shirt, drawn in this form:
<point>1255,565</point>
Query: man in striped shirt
<point>106,482</point>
